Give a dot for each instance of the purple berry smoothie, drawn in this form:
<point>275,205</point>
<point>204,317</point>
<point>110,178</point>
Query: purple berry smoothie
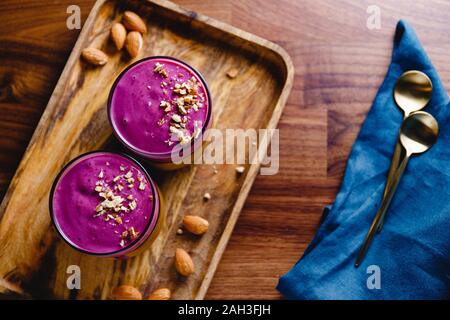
<point>104,203</point>
<point>158,103</point>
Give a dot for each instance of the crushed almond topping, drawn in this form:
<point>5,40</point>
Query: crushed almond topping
<point>122,168</point>
<point>98,188</point>
<point>132,205</point>
<point>117,178</point>
<point>130,180</point>
<point>206,196</point>
<point>133,233</point>
<point>101,174</point>
<point>118,220</point>
<point>187,101</point>
<point>142,185</point>
<point>130,197</point>
<point>159,68</point>
<point>122,243</point>
<point>130,186</point>
<point>182,109</point>
<point>182,137</point>
<point>128,175</point>
<point>166,105</point>
<point>161,122</point>
<point>176,118</point>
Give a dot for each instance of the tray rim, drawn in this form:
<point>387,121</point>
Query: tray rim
<point>253,168</point>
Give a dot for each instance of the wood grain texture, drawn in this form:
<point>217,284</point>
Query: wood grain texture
<point>339,66</point>
<point>75,121</point>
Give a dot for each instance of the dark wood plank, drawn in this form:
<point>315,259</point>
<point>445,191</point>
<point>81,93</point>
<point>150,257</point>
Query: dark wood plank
<point>339,66</point>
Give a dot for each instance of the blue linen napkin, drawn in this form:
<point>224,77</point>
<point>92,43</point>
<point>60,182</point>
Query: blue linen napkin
<point>413,249</point>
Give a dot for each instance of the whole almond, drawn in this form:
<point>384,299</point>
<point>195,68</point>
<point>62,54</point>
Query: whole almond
<point>126,292</point>
<point>195,224</point>
<point>160,294</point>
<point>183,262</point>
<point>118,35</point>
<point>94,56</point>
<point>134,43</point>
<point>133,22</point>
<point>233,73</point>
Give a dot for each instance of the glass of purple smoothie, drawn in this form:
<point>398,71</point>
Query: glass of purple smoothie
<point>158,105</point>
<point>105,204</point>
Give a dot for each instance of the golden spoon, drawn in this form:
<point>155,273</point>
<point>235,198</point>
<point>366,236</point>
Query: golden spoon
<point>412,92</point>
<point>418,133</point>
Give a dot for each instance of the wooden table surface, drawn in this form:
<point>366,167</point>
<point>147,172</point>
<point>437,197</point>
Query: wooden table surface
<point>339,64</point>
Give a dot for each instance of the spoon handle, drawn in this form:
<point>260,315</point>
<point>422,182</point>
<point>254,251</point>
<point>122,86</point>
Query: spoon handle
<point>396,158</point>
<point>382,211</point>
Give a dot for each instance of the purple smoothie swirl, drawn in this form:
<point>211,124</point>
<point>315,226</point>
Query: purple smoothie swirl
<point>104,203</point>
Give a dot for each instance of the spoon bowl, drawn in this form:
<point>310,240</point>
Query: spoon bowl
<point>412,91</point>
<point>419,132</point>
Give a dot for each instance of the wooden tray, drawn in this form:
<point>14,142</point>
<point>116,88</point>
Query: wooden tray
<point>34,261</point>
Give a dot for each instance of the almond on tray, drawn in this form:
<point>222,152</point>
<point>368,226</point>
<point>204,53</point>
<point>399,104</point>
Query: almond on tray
<point>126,292</point>
<point>160,294</point>
<point>134,43</point>
<point>195,224</point>
<point>118,35</point>
<point>183,262</point>
<point>94,56</point>
<point>133,22</point>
